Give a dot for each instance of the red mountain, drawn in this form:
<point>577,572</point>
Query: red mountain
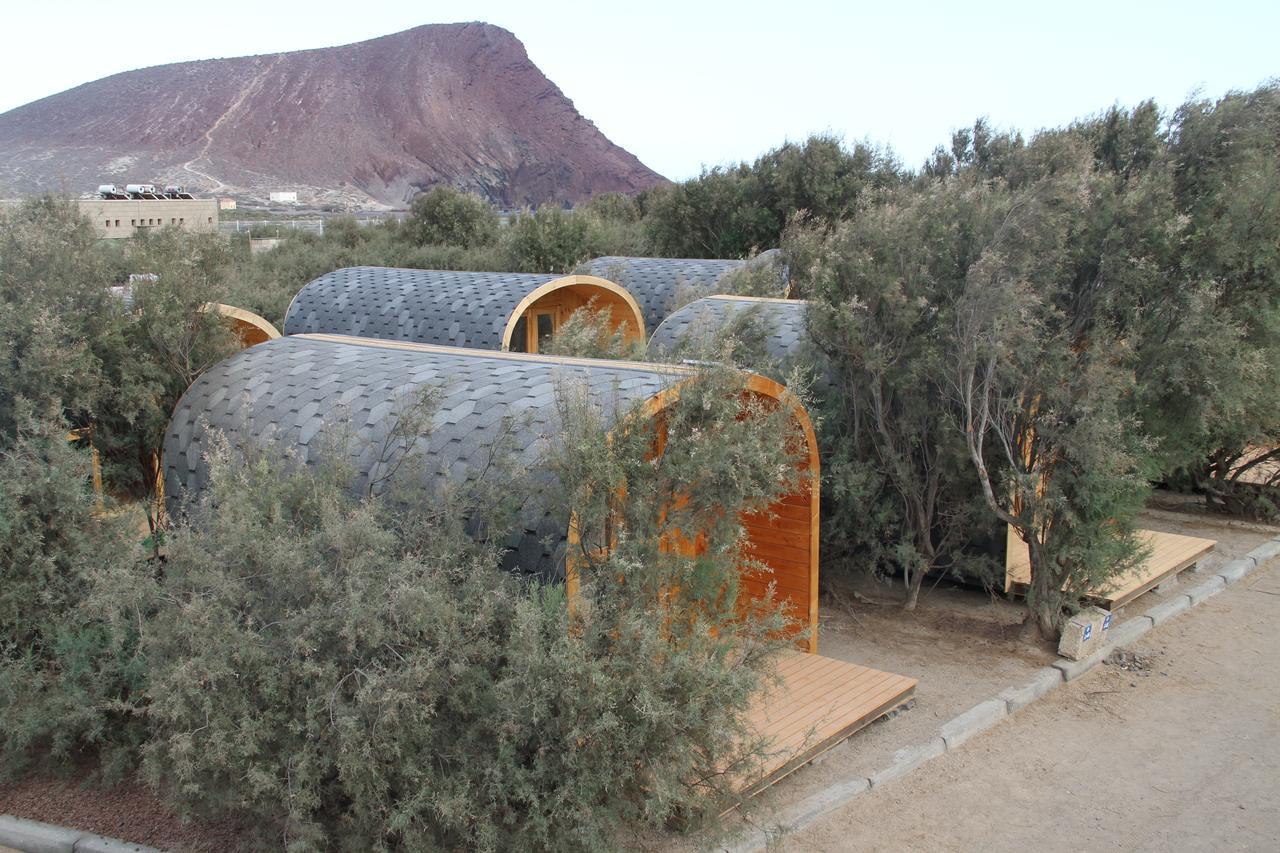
<point>378,120</point>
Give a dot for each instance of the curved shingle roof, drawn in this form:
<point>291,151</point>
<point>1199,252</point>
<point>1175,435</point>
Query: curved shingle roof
<point>296,392</point>
<point>783,318</point>
<point>654,281</point>
<point>440,307</point>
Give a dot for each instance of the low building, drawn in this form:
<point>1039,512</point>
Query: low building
<point>290,197</point>
<point>124,217</point>
<point>226,204</point>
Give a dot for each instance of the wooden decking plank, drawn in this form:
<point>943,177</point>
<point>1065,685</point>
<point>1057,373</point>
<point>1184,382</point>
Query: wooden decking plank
<point>1170,553</point>
<point>862,695</point>
<point>801,742</point>
<point>819,684</point>
<point>818,694</point>
<point>817,703</point>
<point>802,688</point>
<point>825,712</point>
<point>792,669</point>
<point>1173,557</point>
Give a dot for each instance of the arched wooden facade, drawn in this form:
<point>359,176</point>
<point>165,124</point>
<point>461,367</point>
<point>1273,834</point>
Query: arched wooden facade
<point>249,327</point>
<point>290,393</point>
<point>656,283</point>
<point>480,310</point>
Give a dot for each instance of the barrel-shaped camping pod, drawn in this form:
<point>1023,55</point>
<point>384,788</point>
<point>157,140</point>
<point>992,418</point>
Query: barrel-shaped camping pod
<point>479,310</point>
<point>300,393</point>
<point>661,284</point>
<point>701,322</point>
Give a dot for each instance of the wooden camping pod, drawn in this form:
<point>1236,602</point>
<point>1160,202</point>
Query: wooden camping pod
<point>293,393</point>
<point>480,310</point>
<point>656,283</point>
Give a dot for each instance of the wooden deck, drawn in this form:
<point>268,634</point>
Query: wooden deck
<point>817,703</point>
<point>1170,553</point>
<point>1265,473</point>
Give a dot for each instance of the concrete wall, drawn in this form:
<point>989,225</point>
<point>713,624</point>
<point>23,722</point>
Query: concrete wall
<point>121,218</point>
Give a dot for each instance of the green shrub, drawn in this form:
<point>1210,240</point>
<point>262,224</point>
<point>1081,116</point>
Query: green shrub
<point>902,496</point>
<point>730,212</point>
<point>71,348</point>
<point>589,333</point>
<point>355,672</point>
<point>445,216</point>
<point>66,677</point>
<point>552,240</point>
<point>762,275</point>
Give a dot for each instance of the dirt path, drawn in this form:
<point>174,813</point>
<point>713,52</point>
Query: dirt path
<point>1182,754</point>
<point>250,88</point>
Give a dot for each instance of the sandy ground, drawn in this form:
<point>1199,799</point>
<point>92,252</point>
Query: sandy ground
<point>962,645</point>
<point>1182,754</point>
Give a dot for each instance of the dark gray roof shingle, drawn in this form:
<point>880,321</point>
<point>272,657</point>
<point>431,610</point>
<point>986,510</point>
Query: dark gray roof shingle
<point>294,393</point>
<point>654,281</point>
<point>784,320</point>
<point>461,309</point>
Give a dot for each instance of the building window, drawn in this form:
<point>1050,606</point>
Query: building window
<point>520,336</point>
<point>210,220</point>
<point>133,223</point>
<point>173,220</point>
<point>545,329</point>
<point>108,223</point>
<point>182,220</point>
<point>117,223</point>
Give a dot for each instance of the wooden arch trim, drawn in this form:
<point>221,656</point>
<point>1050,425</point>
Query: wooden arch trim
<point>765,387</point>
<point>636,319</point>
<point>251,328</point>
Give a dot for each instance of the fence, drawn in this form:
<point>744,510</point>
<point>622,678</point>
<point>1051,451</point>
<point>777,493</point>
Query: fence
<point>268,227</point>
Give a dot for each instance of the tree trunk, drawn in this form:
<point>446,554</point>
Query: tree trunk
<point>913,591</point>
<point>1043,598</point>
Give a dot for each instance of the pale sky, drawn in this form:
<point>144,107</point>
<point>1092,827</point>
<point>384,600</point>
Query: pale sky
<point>689,84</point>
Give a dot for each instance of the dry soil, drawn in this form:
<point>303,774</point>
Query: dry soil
<point>1174,746</point>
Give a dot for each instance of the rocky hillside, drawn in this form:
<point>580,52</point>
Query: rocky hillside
<point>366,123</point>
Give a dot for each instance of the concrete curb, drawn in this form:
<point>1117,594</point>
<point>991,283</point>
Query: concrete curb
<point>986,715</point>
<point>31,836</point>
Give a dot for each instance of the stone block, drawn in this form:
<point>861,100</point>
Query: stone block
<point>1073,669</point>
<point>1017,698</point>
<point>99,844</point>
<point>1202,591</point>
<point>1130,630</point>
<point>1084,633</point>
<point>906,760</point>
<point>1266,551</point>
<point>1162,613</point>
<point>34,837</point>
<point>974,721</point>
<point>824,802</point>
<point>1236,569</point>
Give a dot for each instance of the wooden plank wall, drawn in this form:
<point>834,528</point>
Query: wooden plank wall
<point>781,539</point>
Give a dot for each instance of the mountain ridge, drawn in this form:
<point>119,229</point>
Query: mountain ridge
<point>368,123</point>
